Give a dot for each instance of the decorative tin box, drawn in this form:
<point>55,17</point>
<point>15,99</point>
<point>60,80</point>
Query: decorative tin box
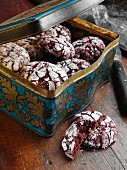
<point>42,110</point>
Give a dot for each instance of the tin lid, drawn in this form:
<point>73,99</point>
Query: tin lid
<point>42,17</point>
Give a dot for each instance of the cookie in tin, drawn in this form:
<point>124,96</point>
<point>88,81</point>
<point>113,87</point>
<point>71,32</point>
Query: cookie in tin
<point>58,31</point>
<point>72,66</point>
<point>44,74</point>
<point>58,47</point>
<point>89,48</point>
<point>13,56</point>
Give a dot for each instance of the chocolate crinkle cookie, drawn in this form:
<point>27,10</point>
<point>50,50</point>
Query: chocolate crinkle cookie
<point>89,48</point>
<point>104,134</point>
<point>61,32</point>
<point>44,74</point>
<point>32,47</point>
<point>78,131</point>
<point>72,66</point>
<point>58,31</point>
<point>89,129</point>
<point>58,47</point>
<point>13,56</point>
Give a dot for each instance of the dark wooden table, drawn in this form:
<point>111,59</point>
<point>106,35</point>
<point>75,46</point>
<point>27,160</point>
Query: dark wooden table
<point>22,149</point>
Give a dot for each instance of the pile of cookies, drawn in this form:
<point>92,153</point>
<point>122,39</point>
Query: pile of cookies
<point>90,129</point>
<point>50,58</point>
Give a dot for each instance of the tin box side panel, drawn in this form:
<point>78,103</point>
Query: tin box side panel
<point>45,115</point>
<point>26,106</point>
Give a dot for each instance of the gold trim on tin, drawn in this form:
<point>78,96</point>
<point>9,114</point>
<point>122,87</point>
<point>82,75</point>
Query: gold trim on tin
<point>85,25</point>
<point>53,94</point>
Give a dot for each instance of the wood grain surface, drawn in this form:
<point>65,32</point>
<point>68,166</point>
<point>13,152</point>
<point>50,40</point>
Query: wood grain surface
<point>23,149</point>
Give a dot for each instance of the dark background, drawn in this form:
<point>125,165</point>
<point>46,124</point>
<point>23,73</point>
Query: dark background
<point>117,8</point>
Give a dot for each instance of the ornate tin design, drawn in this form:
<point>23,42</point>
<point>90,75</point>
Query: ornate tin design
<point>43,111</point>
<point>43,115</point>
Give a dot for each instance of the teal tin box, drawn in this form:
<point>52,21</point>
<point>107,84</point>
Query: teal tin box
<point>43,110</point>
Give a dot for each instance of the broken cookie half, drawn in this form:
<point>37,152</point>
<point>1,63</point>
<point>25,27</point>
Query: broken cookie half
<point>91,129</point>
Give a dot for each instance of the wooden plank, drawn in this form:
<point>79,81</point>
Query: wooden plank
<point>27,150</point>
<point>110,108</point>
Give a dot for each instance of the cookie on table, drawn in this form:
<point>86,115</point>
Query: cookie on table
<point>58,47</point>
<point>44,74</point>
<point>78,131</point>
<point>104,135</point>
<point>89,48</point>
<point>90,129</point>
<point>72,66</point>
<point>13,56</point>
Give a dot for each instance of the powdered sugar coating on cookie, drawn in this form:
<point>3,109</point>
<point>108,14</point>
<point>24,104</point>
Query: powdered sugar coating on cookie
<point>89,48</point>
<point>78,131</point>
<point>58,31</point>
<point>69,142</point>
<point>13,56</point>
<point>31,46</point>
<point>58,47</point>
<point>44,74</point>
<point>104,135</point>
<point>90,115</point>
<point>71,66</point>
